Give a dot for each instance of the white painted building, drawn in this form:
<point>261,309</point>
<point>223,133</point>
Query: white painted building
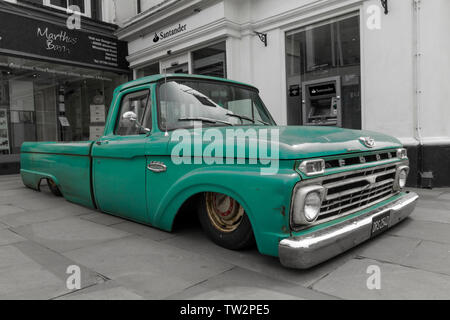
<point>387,71</point>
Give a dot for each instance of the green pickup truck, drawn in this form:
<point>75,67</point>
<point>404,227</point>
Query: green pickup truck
<point>175,141</point>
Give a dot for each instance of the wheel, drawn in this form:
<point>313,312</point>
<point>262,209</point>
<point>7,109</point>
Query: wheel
<point>54,188</point>
<point>225,222</point>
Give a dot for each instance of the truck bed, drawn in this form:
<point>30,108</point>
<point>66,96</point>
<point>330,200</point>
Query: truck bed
<point>67,164</point>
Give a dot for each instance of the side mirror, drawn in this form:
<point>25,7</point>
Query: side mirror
<point>129,115</point>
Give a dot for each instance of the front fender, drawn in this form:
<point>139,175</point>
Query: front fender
<point>266,199</point>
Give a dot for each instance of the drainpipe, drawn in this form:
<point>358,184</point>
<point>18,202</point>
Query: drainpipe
<point>417,62</point>
<point>425,178</point>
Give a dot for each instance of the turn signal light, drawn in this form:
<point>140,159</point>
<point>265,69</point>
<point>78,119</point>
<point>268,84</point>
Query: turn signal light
<point>312,167</point>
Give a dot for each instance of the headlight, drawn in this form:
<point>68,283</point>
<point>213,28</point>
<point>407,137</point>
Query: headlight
<point>401,177</point>
<point>402,153</point>
<point>306,204</point>
<point>313,201</point>
<point>312,167</point>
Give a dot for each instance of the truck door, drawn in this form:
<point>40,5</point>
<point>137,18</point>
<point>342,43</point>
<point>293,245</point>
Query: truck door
<point>118,158</point>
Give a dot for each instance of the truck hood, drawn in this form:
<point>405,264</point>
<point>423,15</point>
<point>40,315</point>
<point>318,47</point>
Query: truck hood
<point>295,142</point>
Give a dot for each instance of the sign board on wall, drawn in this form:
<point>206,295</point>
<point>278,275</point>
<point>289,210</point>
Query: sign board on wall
<point>56,42</point>
<point>170,32</point>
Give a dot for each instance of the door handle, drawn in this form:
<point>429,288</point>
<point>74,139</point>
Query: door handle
<point>100,142</point>
<point>157,167</point>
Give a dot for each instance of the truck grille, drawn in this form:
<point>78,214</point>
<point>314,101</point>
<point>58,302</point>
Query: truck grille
<point>356,190</point>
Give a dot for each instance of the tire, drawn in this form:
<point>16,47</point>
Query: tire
<point>236,232</point>
<point>54,188</point>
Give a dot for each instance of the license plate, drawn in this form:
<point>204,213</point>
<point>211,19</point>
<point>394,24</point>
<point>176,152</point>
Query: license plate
<point>380,223</point>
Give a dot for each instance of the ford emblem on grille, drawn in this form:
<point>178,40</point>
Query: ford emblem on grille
<point>367,141</point>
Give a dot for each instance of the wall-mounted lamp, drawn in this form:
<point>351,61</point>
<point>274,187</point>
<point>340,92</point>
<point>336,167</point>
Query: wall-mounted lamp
<point>262,37</point>
<point>384,3</point>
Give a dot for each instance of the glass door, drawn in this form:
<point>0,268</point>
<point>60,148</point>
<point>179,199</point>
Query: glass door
<point>178,64</point>
<point>210,61</point>
<point>182,68</point>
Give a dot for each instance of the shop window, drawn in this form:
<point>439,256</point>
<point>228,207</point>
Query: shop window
<point>210,61</point>
<point>136,102</point>
<point>89,8</point>
<point>323,74</point>
<point>96,9</point>
<point>139,6</point>
<point>84,5</point>
<point>64,103</point>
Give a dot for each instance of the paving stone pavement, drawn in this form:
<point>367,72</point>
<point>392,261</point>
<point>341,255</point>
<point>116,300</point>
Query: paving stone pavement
<point>42,235</point>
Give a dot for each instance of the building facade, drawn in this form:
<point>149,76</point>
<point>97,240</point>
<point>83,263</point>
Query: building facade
<point>56,79</point>
<point>358,64</point>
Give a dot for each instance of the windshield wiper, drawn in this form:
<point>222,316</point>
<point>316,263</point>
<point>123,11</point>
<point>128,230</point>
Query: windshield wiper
<point>208,120</point>
<point>246,118</point>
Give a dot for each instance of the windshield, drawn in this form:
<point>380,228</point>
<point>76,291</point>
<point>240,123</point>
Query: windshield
<point>183,103</point>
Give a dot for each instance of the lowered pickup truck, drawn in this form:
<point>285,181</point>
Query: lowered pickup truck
<point>313,193</point>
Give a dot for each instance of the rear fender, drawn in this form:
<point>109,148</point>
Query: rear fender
<point>32,179</point>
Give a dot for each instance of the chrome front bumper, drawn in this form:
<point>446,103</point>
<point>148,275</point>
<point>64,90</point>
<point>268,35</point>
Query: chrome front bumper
<point>306,251</point>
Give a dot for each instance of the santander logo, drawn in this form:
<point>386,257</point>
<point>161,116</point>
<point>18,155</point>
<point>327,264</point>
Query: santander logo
<point>170,33</point>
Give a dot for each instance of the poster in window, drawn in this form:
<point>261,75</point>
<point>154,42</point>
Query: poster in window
<point>4,135</point>
<point>95,132</point>
<point>98,113</point>
<point>64,122</point>
<point>294,90</point>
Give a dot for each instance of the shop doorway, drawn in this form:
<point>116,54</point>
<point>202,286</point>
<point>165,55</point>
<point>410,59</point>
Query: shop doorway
<point>324,74</point>
<point>208,61</point>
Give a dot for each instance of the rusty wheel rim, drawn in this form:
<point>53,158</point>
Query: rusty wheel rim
<point>224,212</point>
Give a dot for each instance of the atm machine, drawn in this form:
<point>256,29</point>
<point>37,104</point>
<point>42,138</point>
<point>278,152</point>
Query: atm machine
<point>322,102</point>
